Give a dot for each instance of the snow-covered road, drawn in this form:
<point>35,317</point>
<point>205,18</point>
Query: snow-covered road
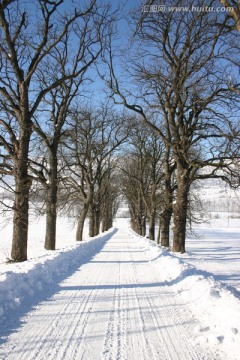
<point>113,307</point>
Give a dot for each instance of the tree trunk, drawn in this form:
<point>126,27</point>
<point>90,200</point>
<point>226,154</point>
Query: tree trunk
<point>134,224</point>
<point>152,220</point>
<point>168,201</point>
<point>81,221</point>
<point>51,219</point>
<point>22,188</point>
<point>91,221</point>
<point>110,223</point>
<point>165,227</point>
<point>51,206</point>
<point>20,219</point>
<point>96,221</point>
<point>107,220</point>
<point>104,225</point>
<point>143,226</point>
<point>180,210</point>
<point>159,230</point>
<point>138,225</point>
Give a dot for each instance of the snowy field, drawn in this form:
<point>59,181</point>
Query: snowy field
<point>119,296</point>
<point>216,250</point>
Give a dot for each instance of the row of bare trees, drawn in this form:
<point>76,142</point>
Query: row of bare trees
<point>89,159</point>
<point>142,177</point>
<point>183,81</point>
<point>179,77</point>
<point>46,51</point>
<point>79,175</point>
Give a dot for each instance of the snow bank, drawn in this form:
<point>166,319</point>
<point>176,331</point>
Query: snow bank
<point>214,307</point>
<point>19,281</point>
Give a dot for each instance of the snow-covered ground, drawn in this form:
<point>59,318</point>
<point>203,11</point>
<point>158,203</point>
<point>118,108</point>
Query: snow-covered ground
<point>119,296</point>
<point>216,250</point>
<point>65,236</point>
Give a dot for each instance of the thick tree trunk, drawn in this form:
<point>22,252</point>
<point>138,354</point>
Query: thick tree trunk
<point>22,188</point>
<point>96,222</point>
<point>91,221</point>
<point>180,210</point>
<point>91,226</point>
<point>168,201</point>
<point>20,219</point>
<point>51,206</point>
<point>51,219</point>
<point>180,219</point>
<point>104,225</point>
<point>138,226</point>
<point>107,220</point>
<point>138,222</point>
<point>81,221</point>
<point>165,227</point>
<point>152,221</point>
<point>143,226</point>
<point>110,223</point>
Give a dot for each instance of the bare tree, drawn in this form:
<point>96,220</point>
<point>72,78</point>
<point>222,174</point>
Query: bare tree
<point>168,188</point>
<point>132,192</point>
<point>110,198</point>
<point>233,9</point>
<point>179,78</point>
<point>229,20</point>
<point>93,137</point>
<point>104,205</point>
<point>50,132</point>
<point>28,52</point>
<point>142,176</point>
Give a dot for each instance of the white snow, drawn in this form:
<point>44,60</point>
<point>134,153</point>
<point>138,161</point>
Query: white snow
<point>216,250</point>
<point>215,307</point>
<point>120,296</point>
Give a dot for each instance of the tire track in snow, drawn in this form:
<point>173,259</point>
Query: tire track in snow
<point>91,305</point>
<point>143,344</point>
<point>163,346</point>
<point>133,316</point>
<point>162,333</point>
<point>115,344</point>
<point>112,308</point>
<point>93,298</point>
<point>71,314</point>
<point>175,340</point>
<point>78,324</point>
<point>83,316</point>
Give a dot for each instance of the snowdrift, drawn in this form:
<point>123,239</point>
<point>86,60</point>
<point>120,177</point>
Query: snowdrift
<point>33,278</point>
<point>214,307</point>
